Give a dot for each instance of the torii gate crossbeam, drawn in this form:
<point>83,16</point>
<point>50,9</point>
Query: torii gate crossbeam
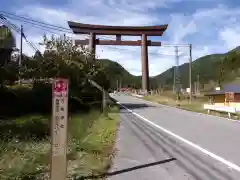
<point>118,31</point>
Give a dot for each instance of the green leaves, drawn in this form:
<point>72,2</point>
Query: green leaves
<point>7,40</point>
<point>216,67</point>
<point>8,73</point>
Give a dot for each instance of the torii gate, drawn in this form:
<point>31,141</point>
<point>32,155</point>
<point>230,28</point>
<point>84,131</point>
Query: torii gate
<point>118,31</point>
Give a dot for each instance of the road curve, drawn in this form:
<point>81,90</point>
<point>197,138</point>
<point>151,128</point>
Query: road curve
<point>147,152</point>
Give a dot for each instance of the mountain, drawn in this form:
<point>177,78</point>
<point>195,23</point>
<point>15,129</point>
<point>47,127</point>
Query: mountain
<point>236,49</point>
<point>211,70</point>
<point>207,68</point>
<point>119,76</point>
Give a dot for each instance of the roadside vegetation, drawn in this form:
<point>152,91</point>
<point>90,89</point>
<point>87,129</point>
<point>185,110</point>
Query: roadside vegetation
<point>169,98</point>
<point>25,113</point>
<point>25,145</point>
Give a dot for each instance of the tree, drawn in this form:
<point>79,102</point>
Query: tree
<point>221,69</point>
<point>7,42</point>
<point>62,58</point>
<point>8,73</point>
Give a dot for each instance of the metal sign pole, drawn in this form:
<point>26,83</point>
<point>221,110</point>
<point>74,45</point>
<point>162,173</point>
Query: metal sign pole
<point>59,129</point>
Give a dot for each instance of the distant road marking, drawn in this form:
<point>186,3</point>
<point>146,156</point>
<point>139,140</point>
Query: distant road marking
<point>212,155</point>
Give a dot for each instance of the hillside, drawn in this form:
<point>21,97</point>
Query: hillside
<point>208,68</point>
<point>119,76</point>
<point>217,68</point>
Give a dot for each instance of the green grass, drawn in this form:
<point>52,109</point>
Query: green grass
<point>168,98</point>
<point>96,148</point>
<point>25,145</point>
<point>195,106</point>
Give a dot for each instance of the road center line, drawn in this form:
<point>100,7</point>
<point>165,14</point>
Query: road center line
<point>212,155</point>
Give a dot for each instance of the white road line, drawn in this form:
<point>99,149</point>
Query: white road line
<point>212,155</point>
<point>197,113</point>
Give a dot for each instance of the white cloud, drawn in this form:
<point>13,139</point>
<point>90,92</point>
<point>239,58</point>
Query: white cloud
<point>231,37</point>
<point>210,30</point>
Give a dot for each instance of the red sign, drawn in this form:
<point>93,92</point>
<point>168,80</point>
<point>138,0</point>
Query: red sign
<point>59,130</point>
<point>60,87</point>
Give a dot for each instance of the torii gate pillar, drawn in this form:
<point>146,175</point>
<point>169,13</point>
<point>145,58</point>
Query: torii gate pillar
<point>92,45</point>
<point>145,68</point>
<point>118,31</point>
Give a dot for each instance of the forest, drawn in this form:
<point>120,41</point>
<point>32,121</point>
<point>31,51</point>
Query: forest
<point>62,58</point>
<point>220,69</point>
<point>26,106</point>
<point>216,69</point>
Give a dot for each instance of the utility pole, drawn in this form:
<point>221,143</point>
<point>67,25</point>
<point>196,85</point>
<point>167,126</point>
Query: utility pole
<point>195,87</point>
<point>177,78</point>
<point>190,65</point>
<point>21,45</point>
<point>190,72</point>
<point>120,84</point>
<point>174,79</point>
<point>20,57</point>
<point>117,85</point>
<point>198,83</point>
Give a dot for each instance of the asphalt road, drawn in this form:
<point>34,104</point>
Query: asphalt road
<point>145,151</point>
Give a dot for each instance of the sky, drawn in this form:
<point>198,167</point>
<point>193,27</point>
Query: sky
<point>211,26</point>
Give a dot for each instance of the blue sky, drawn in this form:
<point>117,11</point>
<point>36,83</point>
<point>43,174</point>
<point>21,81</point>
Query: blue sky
<point>212,26</point>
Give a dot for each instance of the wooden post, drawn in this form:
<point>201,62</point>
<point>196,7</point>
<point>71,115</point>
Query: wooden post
<point>145,70</point>
<point>59,125</point>
<point>92,45</point>
<point>104,102</point>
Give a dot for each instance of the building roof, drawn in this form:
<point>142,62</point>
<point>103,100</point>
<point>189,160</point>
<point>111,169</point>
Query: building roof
<point>226,88</point>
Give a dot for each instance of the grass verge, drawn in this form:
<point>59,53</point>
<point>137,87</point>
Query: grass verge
<point>25,146</point>
<point>195,106</point>
<point>95,151</point>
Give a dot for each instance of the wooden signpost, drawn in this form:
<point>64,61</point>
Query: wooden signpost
<point>59,129</point>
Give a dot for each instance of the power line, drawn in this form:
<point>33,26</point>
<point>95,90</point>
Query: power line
<point>41,25</point>
<point>60,28</point>
<point>34,21</point>
<point>137,51</point>
<point>63,29</point>
<point>51,28</point>
<point>18,30</point>
<point>174,45</point>
<point>37,24</point>
<point>43,28</point>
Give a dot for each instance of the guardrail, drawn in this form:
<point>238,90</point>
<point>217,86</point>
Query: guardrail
<point>137,95</point>
<point>227,109</point>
